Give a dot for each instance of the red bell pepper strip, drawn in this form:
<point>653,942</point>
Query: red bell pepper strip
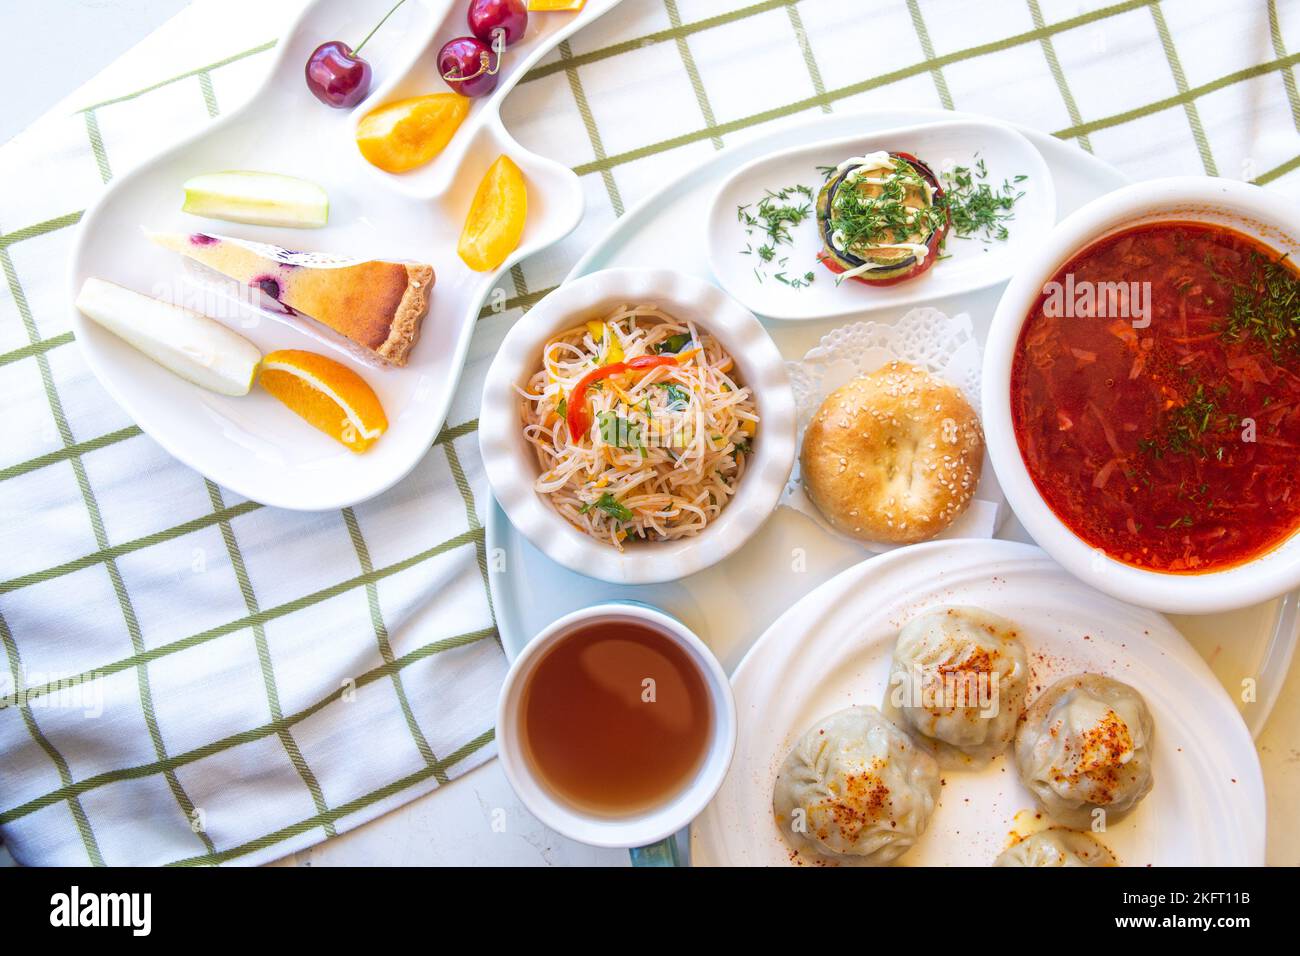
<point>578,419</point>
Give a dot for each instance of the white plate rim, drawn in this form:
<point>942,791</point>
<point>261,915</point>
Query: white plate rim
<point>1230,735</point>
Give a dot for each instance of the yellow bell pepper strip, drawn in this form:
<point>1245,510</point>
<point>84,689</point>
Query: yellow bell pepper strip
<point>603,335</point>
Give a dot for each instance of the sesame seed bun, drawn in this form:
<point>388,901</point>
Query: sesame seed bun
<point>893,456</point>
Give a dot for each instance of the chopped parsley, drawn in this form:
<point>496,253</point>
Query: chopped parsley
<point>674,343</point>
<point>678,397</point>
<point>619,432</point>
<point>611,506</point>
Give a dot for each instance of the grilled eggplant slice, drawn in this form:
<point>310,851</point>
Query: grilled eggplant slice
<point>860,219</point>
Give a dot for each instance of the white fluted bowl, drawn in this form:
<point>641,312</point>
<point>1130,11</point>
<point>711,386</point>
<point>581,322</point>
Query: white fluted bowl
<point>511,462</point>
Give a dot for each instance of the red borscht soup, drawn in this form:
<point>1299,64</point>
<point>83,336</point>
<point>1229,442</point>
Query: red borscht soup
<point>1155,394</point>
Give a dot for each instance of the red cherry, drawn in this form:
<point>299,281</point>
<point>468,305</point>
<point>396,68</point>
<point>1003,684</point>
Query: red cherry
<point>486,17</point>
<point>468,66</point>
<point>337,76</point>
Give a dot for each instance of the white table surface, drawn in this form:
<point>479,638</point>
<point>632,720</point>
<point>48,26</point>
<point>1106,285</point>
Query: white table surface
<point>54,46</point>
<point>475,820</point>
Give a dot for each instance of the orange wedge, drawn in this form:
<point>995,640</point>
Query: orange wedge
<point>541,6</point>
<point>408,133</point>
<point>327,394</point>
<point>496,217</point>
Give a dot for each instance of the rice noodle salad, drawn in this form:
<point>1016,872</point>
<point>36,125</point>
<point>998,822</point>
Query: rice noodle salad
<point>641,428</point>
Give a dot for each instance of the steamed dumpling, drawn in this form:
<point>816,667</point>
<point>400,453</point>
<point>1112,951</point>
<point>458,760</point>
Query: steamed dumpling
<point>855,787</point>
<point>1084,744</point>
<point>1057,847</point>
<point>959,678</point>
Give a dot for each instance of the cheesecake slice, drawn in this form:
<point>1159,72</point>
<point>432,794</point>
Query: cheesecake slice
<point>376,305</point>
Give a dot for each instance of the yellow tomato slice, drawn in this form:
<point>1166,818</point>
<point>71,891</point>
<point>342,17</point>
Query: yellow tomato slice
<point>408,133</point>
<point>496,217</point>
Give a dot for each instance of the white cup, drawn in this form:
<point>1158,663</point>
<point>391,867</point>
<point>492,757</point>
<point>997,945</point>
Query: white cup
<point>648,826</point>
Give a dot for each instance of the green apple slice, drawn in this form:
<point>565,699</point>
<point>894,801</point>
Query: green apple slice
<point>261,199</point>
<point>195,347</point>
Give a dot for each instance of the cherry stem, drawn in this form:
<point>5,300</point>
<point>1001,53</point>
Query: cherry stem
<point>484,60</point>
<point>377,26</point>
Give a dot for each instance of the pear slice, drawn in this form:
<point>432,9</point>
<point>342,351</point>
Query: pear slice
<point>261,199</point>
<point>195,347</point>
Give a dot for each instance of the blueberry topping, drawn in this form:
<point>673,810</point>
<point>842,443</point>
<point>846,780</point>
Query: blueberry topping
<point>268,285</point>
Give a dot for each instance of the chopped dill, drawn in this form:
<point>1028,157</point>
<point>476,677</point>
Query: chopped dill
<point>1185,426</point>
<point>1265,307</point>
<point>978,210</point>
<point>898,210</point>
<point>772,218</point>
<point>798,282</point>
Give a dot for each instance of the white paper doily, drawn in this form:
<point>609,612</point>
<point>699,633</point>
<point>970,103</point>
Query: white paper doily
<point>926,338</point>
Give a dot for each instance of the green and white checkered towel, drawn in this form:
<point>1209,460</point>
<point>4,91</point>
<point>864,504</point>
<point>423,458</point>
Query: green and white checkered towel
<point>257,680</point>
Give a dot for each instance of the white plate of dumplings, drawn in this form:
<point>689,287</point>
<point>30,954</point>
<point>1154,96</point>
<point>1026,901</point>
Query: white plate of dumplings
<point>1083,681</point>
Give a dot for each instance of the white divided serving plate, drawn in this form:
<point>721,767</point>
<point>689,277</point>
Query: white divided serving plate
<point>968,264</point>
<point>732,603</point>
<point>833,649</point>
<point>253,445</point>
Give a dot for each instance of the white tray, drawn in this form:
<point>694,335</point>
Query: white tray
<point>252,444</point>
<point>731,604</point>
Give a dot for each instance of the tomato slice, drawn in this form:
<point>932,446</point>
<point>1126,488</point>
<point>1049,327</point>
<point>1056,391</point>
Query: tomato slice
<point>932,244</point>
